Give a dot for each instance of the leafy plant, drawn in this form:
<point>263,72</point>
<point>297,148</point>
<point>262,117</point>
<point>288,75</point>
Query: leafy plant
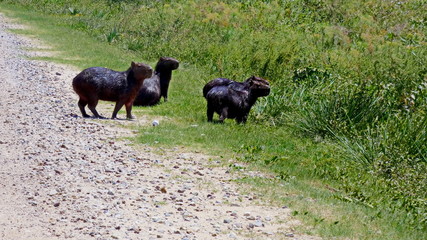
<point>112,36</point>
<point>73,11</point>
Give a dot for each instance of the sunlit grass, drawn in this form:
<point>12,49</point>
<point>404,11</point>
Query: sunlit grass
<point>217,41</point>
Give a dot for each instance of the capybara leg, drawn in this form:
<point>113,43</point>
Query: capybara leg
<point>223,115</point>
<point>209,113</point>
<point>165,94</point>
<point>92,107</point>
<point>82,104</point>
<point>242,119</point>
<point>245,118</point>
<point>129,111</point>
<point>116,109</point>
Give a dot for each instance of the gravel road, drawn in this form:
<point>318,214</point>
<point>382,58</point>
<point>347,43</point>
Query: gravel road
<point>65,177</point>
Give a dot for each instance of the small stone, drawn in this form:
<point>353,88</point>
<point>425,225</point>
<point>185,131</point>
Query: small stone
<point>237,226</point>
<point>227,221</point>
<point>155,123</point>
<point>232,235</point>
<point>259,224</point>
<point>289,235</point>
<point>52,192</point>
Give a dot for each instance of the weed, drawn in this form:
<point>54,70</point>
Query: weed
<point>112,36</point>
<point>73,11</point>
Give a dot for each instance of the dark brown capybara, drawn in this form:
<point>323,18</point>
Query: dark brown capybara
<point>232,99</point>
<point>157,86</point>
<point>98,83</point>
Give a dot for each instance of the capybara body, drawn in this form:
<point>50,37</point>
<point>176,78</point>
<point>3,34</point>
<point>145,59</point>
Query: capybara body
<point>157,86</point>
<point>232,99</point>
<point>98,83</point>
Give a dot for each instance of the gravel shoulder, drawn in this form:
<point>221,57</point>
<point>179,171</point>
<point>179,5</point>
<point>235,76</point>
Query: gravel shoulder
<point>65,177</point>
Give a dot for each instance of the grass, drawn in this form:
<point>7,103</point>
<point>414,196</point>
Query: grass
<point>333,218</point>
<point>334,162</point>
<point>77,44</point>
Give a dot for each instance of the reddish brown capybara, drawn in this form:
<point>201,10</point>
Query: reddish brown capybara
<point>232,99</point>
<point>98,83</point>
<point>157,86</point>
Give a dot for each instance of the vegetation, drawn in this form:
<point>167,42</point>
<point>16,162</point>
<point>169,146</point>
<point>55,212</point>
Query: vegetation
<point>349,75</point>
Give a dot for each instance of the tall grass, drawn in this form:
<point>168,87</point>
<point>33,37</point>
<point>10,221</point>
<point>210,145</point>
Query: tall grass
<point>354,72</point>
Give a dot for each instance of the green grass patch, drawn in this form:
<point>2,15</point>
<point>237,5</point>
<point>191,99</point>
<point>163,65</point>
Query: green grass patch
<point>343,132</point>
<point>326,214</point>
<point>71,45</point>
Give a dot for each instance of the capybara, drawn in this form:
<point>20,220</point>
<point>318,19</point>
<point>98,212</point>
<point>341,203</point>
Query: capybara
<point>98,83</point>
<point>232,99</point>
<point>157,86</point>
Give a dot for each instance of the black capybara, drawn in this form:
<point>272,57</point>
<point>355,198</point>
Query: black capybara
<point>232,99</point>
<point>157,86</point>
<point>97,83</point>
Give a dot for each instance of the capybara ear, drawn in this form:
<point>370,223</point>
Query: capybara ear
<point>133,64</point>
<point>251,80</point>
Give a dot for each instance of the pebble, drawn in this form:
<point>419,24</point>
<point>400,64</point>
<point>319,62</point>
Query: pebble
<point>258,224</point>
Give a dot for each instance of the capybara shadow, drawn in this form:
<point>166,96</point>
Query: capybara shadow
<point>232,99</point>
<point>98,83</point>
<point>157,86</point>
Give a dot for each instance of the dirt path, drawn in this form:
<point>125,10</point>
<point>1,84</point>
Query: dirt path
<point>64,177</point>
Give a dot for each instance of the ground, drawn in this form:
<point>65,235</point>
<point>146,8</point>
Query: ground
<point>66,177</point>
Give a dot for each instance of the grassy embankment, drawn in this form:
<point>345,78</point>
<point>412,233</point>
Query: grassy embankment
<point>344,130</point>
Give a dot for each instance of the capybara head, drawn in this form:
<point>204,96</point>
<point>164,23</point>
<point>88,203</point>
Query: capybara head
<point>259,86</point>
<point>141,70</point>
<point>167,63</point>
